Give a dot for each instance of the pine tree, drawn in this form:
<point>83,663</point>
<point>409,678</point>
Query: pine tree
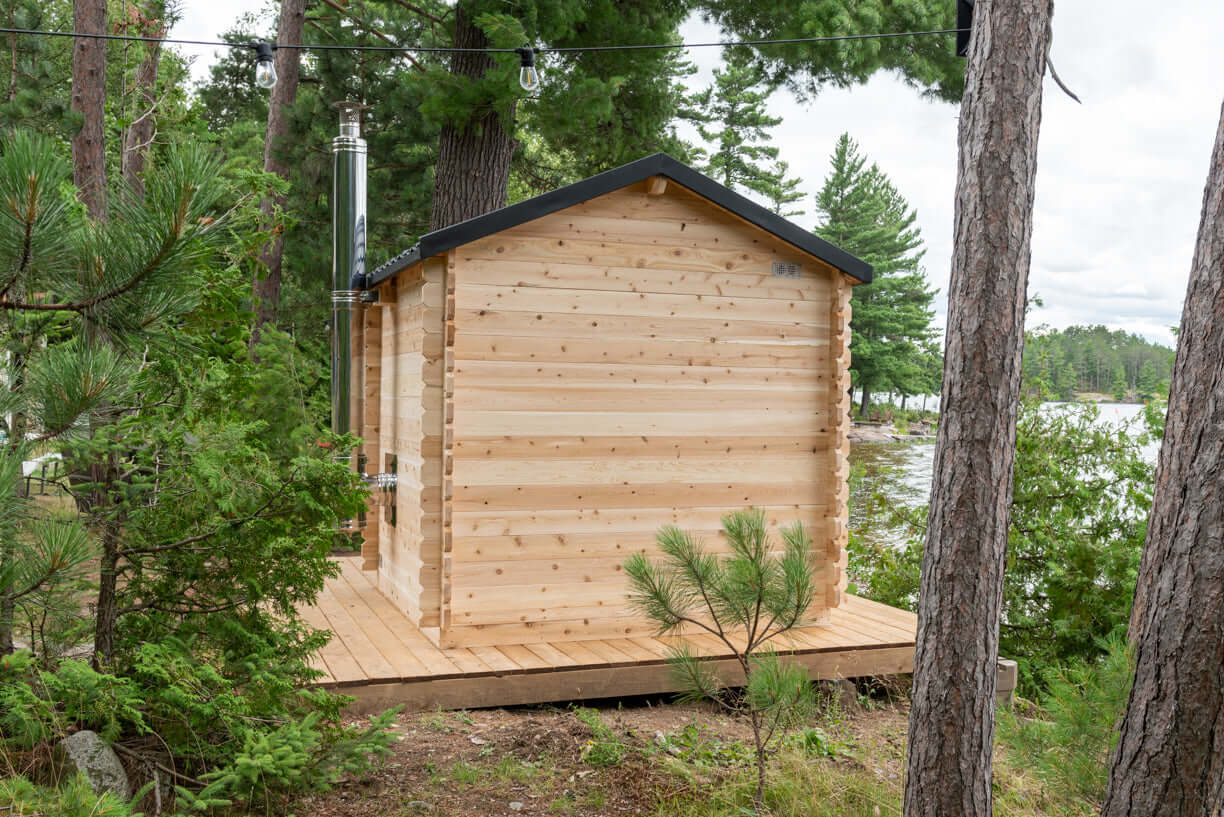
<point>57,377</point>
<point>783,191</point>
<point>1119,387</point>
<point>1148,382</point>
<point>864,214</point>
<point>1169,759</point>
<point>36,94</point>
<point>951,723</point>
<point>734,106</point>
<point>745,600</point>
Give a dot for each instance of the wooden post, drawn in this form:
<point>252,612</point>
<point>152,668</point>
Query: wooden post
<point>839,446</point>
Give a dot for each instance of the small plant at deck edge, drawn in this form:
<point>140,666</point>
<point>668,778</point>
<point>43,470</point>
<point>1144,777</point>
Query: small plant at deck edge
<point>745,600</point>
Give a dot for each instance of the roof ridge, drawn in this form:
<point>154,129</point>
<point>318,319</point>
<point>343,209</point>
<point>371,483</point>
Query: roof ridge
<point>656,164</point>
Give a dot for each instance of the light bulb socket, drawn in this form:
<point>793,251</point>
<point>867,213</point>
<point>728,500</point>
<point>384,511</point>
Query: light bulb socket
<point>265,65</point>
<point>526,56</point>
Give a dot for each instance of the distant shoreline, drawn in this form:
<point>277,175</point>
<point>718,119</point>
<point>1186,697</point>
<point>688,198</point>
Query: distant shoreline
<point>1091,398</point>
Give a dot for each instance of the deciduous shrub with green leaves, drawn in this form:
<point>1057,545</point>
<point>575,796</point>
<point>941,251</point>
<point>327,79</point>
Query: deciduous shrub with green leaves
<point>1082,492</point>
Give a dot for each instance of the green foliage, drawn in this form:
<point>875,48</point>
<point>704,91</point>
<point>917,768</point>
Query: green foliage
<point>41,706</point>
<point>74,798</point>
<point>1059,363</point>
<point>306,754</point>
<point>84,300</point>
<point>197,471</point>
<point>38,85</point>
<point>1068,743</point>
<point>595,110</point>
<point>745,600</point>
<point>701,747</point>
<point>929,63</point>
<point>892,342</point>
<point>1079,515</point>
<point>605,747</point>
<point>229,96</point>
<point>1081,496</point>
<point>783,191</point>
<point>252,735</point>
<point>753,590</point>
<point>735,105</point>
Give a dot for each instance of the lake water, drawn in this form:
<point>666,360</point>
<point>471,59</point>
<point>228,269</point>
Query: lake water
<point>902,470</point>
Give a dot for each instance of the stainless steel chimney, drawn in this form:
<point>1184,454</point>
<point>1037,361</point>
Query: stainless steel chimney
<point>348,259</point>
<point>348,278</point>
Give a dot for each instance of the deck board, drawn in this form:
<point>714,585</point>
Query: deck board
<point>379,656</point>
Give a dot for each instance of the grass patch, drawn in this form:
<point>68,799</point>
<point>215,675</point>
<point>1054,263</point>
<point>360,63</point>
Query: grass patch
<point>466,773</point>
<point>512,770</point>
<point>605,748</point>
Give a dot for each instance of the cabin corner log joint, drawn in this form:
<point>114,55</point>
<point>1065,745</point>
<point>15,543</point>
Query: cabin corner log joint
<point>556,380</point>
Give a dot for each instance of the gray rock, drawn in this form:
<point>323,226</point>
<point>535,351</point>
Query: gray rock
<point>88,754</point>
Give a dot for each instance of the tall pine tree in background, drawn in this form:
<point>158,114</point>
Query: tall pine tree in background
<point>734,109</point>
<point>783,191</point>
<point>863,213</point>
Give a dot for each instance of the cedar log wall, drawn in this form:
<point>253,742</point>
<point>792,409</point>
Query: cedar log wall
<point>557,392</point>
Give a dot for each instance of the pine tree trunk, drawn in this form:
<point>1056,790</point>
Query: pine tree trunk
<point>108,603</point>
<point>1169,761</point>
<point>89,99</point>
<point>865,403</point>
<point>8,614</point>
<point>952,716</point>
<point>267,287</point>
<point>473,169</point>
<point>139,135</point>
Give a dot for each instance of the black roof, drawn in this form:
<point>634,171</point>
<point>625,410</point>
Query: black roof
<point>658,164</point>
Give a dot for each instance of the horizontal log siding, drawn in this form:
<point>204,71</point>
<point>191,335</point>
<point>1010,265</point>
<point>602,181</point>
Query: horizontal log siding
<point>625,364</point>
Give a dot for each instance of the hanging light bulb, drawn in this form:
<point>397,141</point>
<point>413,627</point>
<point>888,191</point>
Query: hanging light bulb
<point>529,77</point>
<point>265,65</point>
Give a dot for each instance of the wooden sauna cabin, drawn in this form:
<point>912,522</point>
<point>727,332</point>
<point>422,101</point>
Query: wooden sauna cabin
<point>554,381</point>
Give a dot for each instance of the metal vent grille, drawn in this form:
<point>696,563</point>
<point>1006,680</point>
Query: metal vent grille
<point>786,269</point>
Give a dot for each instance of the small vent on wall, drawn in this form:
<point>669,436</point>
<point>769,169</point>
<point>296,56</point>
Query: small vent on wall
<point>786,269</point>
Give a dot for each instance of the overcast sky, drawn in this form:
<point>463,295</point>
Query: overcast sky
<point>1119,178</point>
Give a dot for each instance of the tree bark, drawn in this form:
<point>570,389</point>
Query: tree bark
<point>1169,761</point>
<point>107,613</point>
<point>865,403</point>
<point>89,99</point>
<point>473,169</point>
<point>952,717</point>
<point>139,135</point>
<point>267,288</point>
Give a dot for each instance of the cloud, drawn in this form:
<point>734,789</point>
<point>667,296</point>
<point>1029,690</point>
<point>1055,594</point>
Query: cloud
<point>1119,179</point>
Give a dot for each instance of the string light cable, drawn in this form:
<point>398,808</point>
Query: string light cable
<point>265,75</point>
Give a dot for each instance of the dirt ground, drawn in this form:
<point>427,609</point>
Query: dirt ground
<point>631,758</point>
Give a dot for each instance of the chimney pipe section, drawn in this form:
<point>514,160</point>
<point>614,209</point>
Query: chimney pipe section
<point>348,259</point>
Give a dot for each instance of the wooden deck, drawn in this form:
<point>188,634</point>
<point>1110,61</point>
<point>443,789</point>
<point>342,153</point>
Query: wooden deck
<point>380,657</point>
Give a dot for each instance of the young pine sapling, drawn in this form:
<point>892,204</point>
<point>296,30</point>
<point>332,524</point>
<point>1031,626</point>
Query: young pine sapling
<point>746,600</point>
